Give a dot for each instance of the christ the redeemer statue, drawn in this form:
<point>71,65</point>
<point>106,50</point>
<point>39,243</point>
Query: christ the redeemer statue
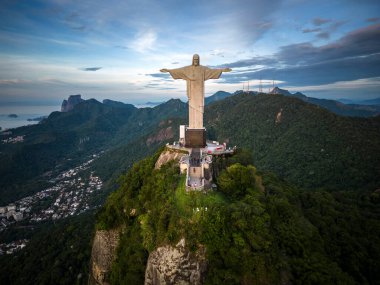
<point>195,76</point>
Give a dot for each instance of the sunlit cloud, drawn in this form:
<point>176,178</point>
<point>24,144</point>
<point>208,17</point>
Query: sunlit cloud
<point>144,41</point>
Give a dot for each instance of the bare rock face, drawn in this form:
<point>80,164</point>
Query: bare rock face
<point>102,255</point>
<point>175,265</point>
<point>68,105</point>
<point>162,135</point>
<point>167,156</point>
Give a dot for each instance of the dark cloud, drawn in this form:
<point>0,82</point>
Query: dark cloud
<point>91,68</point>
<point>160,75</point>
<point>354,56</point>
<point>167,88</point>
<point>216,53</point>
<point>320,21</point>
<point>121,47</point>
<point>315,74</point>
<point>176,62</point>
<point>323,35</point>
<point>305,31</point>
<point>249,62</point>
<point>75,22</point>
<point>152,85</point>
<point>373,20</point>
<point>336,25</point>
<point>79,28</point>
<point>361,42</point>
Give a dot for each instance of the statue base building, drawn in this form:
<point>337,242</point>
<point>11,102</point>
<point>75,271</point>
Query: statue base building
<point>195,138</point>
<point>197,164</point>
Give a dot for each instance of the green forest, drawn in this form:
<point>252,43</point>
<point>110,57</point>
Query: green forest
<point>257,229</point>
<point>301,142</point>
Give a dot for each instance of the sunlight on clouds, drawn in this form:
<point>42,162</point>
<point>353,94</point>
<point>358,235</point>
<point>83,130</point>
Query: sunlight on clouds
<point>144,41</point>
<point>341,85</point>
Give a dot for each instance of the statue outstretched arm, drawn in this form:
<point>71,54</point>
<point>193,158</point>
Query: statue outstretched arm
<point>177,73</point>
<point>215,73</point>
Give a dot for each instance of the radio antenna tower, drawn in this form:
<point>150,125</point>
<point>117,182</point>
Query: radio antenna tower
<point>260,87</point>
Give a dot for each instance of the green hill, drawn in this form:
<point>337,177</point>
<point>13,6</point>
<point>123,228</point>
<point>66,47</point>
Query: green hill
<point>257,229</point>
<point>66,138</point>
<point>300,142</point>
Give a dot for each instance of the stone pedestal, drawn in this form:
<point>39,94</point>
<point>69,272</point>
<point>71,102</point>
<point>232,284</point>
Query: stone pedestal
<point>195,138</point>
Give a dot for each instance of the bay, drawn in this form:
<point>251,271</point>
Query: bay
<point>23,112</point>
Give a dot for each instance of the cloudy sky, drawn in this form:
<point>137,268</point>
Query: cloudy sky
<point>114,49</point>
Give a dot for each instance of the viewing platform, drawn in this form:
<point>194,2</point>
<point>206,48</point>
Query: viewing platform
<point>197,164</point>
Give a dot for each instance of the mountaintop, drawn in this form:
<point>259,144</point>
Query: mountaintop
<point>354,110</point>
<point>68,105</point>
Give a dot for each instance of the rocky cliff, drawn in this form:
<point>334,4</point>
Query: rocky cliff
<point>167,156</point>
<point>175,265</point>
<point>68,105</point>
<point>102,255</point>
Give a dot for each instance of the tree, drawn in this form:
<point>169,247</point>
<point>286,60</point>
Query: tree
<point>237,180</point>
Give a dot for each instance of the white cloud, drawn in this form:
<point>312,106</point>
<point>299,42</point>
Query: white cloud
<point>341,85</point>
<point>144,41</point>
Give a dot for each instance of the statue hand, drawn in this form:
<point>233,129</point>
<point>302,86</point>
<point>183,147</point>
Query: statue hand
<point>227,69</point>
<point>164,70</point>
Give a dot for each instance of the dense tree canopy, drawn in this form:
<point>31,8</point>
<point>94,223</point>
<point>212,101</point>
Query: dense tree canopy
<point>257,228</point>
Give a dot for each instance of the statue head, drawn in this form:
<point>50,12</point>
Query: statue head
<point>195,60</point>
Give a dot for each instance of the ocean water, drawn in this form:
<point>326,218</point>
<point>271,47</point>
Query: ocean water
<point>23,114</point>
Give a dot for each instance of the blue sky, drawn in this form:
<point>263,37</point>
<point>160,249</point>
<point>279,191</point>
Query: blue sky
<point>115,49</point>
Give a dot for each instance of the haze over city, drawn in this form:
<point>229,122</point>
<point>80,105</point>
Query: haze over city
<point>114,49</point>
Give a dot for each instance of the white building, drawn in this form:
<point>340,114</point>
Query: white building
<point>11,207</point>
<point>18,216</point>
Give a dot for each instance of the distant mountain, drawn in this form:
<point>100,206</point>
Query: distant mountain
<point>217,96</point>
<point>153,104</point>
<point>238,92</point>
<point>68,105</point>
<point>116,104</point>
<point>346,101</point>
<point>352,110</point>
<point>277,90</point>
<point>375,101</point>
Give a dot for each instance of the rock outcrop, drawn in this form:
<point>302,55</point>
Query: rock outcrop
<point>163,134</point>
<point>167,156</point>
<point>175,265</point>
<point>102,255</point>
<point>68,105</point>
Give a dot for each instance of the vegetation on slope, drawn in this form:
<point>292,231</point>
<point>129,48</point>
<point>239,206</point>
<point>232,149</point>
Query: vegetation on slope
<point>300,142</point>
<point>256,228</point>
<point>56,254</point>
<point>58,142</point>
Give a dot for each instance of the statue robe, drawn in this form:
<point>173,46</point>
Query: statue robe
<point>195,77</point>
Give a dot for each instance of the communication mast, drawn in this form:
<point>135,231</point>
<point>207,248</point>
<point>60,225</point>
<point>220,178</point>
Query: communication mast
<point>260,87</point>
